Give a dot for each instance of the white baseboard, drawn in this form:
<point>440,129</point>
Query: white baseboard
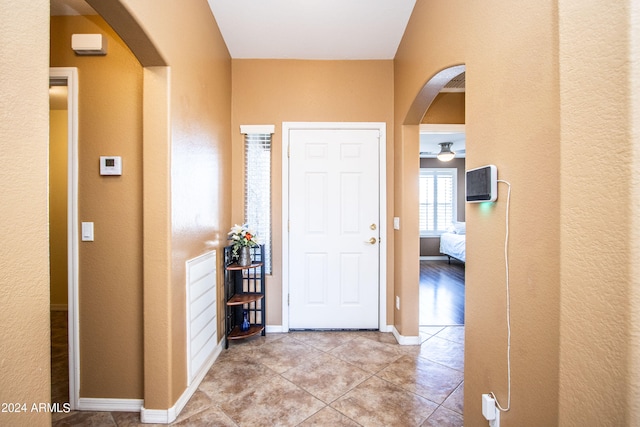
<point>386,328</point>
<point>434,258</point>
<point>59,307</point>
<point>158,416</point>
<point>277,329</point>
<point>167,416</point>
<point>109,405</point>
<point>403,340</point>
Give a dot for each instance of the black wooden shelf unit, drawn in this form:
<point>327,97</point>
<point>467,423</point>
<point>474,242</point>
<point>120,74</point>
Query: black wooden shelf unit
<point>244,291</point>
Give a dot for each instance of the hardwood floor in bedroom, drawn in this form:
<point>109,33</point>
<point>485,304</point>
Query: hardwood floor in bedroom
<point>441,293</point>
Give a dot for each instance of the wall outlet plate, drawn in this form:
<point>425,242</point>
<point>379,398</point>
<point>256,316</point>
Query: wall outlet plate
<point>496,421</point>
<point>488,407</point>
<point>396,223</point>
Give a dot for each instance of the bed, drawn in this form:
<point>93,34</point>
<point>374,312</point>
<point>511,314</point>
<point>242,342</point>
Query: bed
<point>452,243</point>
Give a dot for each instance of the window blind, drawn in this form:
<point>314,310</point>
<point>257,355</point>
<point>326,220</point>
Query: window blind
<point>257,207</point>
<point>437,200</point>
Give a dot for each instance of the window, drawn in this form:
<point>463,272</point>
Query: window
<point>437,200</point>
<point>257,187</point>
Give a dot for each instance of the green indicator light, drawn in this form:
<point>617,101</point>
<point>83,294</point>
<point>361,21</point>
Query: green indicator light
<point>486,207</point>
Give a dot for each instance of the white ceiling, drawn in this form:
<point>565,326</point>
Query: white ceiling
<point>312,29</point>
<point>429,141</point>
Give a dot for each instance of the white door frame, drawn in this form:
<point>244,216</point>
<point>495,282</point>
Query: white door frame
<point>382,166</point>
<point>70,74</point>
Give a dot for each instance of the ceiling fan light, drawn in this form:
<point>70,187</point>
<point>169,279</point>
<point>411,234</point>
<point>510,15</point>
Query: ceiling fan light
<point>445,157</point>
<point>445,153</point>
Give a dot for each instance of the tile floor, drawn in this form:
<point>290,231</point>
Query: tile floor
<point>322,379</point>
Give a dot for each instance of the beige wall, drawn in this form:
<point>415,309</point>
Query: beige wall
<point>576,370</point>
<point>188,172</point>
<point>599,221</point>
<point>275,91</point>
<point>110,268</point>
<point>187,181</point>
<point>522,139</point>
<point>58,205</point>
<point>24,252</point>
<point>447,107</point>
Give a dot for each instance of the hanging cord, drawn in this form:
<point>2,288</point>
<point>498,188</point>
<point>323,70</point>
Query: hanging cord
<point>506,269</point>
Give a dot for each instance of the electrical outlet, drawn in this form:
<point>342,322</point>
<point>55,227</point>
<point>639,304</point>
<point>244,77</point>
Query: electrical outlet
<point>496,421</point>
<point>490,410</point>
<point>397,303</point>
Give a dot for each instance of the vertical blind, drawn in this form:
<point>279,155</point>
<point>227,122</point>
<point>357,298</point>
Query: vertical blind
<point>437,189</point>
<point>257,200</point>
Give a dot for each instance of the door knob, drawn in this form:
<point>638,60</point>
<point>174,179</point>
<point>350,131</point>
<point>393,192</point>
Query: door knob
<point>371,241</point>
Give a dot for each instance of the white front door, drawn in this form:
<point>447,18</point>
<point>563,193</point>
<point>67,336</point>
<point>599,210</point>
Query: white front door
<point>334,223</point>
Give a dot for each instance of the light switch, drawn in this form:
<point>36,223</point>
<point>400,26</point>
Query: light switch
<point>396,223</point>
<point>87,232</point>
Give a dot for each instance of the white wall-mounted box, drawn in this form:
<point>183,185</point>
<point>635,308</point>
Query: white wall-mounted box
<point>89,44</point>
<point>110,165</point>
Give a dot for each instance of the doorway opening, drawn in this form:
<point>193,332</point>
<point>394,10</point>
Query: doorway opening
<point>63,220</point>
<point>442,226</point>
<point>442,205</point>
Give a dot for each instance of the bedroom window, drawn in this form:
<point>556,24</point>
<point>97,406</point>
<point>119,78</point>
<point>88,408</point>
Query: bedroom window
<point>438,197</point>
<point>257,184</point>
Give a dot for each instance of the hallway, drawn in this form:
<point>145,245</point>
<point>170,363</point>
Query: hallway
<point>442,293</point>
<point>333,378</point>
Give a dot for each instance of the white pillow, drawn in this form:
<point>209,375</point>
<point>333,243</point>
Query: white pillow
<point>459,227</point>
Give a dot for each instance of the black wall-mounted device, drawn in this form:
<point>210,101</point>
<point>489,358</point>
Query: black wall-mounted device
<point>481,184</point>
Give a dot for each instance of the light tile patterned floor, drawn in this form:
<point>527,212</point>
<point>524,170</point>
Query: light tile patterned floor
<point>323,379</point>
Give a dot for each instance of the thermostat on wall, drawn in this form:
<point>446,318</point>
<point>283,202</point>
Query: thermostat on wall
<point>110,165</point>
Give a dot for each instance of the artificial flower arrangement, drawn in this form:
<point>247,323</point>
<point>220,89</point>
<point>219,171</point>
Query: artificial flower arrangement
<point>242,236</point>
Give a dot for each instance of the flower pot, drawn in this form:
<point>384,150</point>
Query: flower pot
<point>244,256</point>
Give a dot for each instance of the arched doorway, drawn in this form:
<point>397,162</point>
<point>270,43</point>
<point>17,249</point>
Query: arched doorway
<point>442,208</point>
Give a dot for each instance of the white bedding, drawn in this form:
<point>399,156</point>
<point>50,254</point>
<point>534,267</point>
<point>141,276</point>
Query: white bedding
<point>453,245</point>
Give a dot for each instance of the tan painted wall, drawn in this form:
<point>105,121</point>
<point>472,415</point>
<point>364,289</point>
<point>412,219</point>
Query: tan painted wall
<point>599,221</point>
<point>274,91</point>
<point>199,157</point>
<point>110,281</point>
<point>447,107</point>
<point>58,205</point>
<point>522,139</point>
<point>633,384</point>
<point>593,354</point>
<point>24,252</point>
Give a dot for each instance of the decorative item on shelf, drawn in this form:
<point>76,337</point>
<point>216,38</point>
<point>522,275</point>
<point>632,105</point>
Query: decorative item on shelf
<point>244,327</point>
<point>242,240</point>
<point>244,256</point>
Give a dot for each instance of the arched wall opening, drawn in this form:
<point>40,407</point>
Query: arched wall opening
<point>187,157</point>
<point>156,203</point>
<point>406,171</point>
<point>442,206</point>
<point>511,121</point>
